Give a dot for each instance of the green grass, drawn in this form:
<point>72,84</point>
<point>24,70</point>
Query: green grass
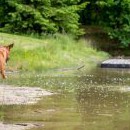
<point>59,51</point>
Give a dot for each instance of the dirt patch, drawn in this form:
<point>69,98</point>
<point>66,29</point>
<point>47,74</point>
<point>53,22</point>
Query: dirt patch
<point>21,126</point>
<point>21,95</point>
<point>10,95</point>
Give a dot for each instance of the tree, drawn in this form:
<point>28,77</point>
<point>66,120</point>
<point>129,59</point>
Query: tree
<point>119,21</point>
<point>41,16</point>
<point>113,15</point>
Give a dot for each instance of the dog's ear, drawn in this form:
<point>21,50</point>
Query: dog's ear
<point>11,45</point>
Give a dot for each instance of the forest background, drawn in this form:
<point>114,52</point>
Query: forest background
<point>66,16</point>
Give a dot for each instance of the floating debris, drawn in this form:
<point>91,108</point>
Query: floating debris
<point>116,63</point>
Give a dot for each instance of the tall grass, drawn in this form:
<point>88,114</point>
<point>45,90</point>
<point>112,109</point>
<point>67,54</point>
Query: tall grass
<point>57,51</point>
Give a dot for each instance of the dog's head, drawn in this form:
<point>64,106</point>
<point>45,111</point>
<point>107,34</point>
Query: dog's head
<point>8,48</point>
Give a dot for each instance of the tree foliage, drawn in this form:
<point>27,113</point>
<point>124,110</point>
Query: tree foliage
<point>111,14</point>
<point>51,16</point>
<point>40,16</point>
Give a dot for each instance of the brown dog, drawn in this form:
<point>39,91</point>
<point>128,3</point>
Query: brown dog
<point>4,56</point>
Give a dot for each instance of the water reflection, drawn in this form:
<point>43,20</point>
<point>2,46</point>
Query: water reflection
<point>102,103</point>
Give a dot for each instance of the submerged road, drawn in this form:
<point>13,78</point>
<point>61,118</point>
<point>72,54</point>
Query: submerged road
<point>10,95</point>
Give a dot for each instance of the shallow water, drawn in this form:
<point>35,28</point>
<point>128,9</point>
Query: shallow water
<point>96,100</point>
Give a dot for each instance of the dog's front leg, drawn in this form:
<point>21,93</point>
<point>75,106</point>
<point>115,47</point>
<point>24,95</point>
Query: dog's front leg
<point>2,70</point>
<point>3,74</point>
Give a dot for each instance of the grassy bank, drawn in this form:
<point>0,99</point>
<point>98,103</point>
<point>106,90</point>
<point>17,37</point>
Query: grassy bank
<point>49,53</point>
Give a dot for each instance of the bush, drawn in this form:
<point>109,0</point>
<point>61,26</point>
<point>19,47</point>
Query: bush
<point>41,16</point>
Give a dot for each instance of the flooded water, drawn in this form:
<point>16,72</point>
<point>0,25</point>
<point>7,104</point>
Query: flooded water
<point>96,100</point>
<point>105,101</point>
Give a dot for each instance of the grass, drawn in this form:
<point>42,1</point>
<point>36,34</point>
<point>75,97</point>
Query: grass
<point>59,51</point>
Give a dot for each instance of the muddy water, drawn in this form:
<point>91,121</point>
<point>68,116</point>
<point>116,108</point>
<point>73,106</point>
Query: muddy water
<point>96,100</point>
<point>104,100</point>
